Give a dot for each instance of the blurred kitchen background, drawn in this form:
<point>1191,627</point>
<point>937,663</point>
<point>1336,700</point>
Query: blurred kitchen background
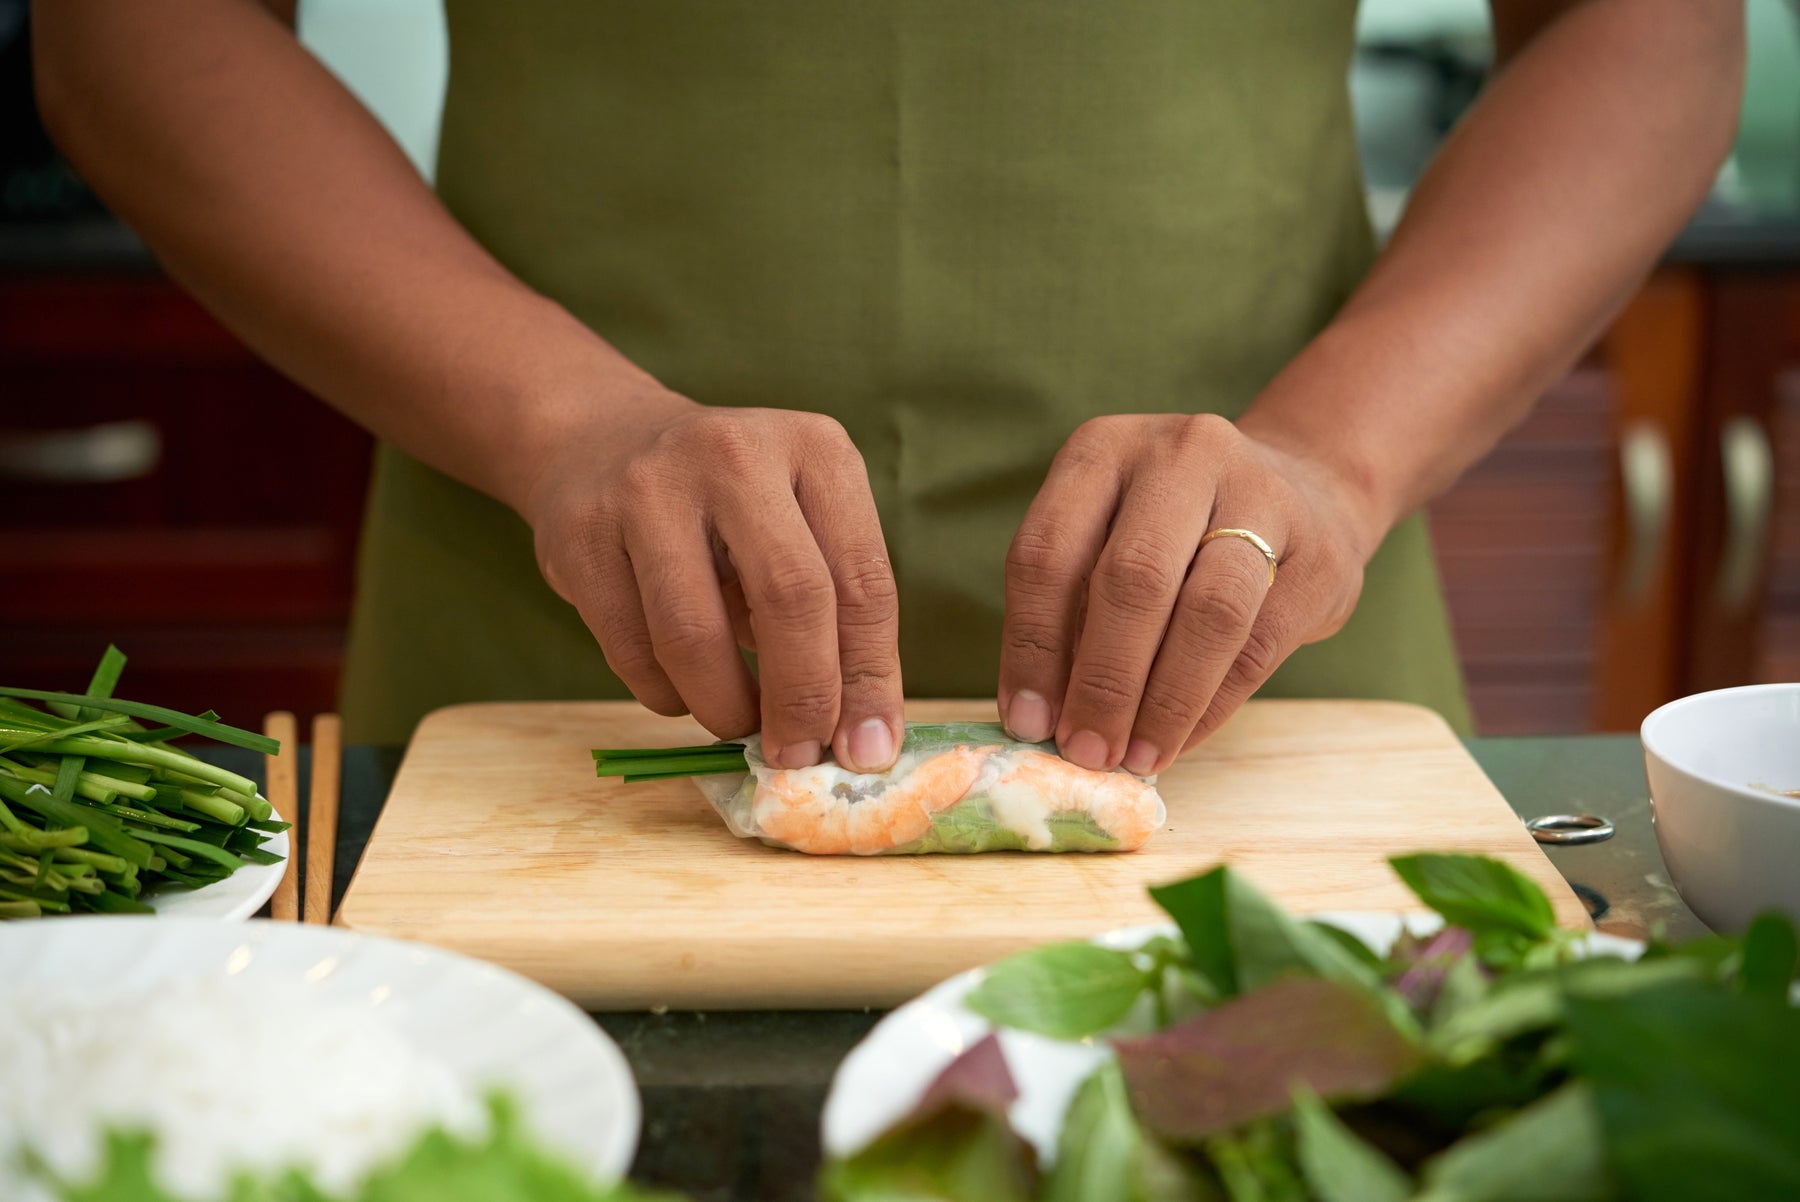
<point>1637,539</point>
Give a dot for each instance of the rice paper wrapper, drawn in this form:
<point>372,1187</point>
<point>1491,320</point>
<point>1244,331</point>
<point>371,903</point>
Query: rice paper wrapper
<point>958,787</point>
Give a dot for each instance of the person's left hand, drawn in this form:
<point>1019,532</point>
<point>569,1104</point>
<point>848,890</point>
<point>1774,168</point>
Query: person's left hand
<point>1127,639</point>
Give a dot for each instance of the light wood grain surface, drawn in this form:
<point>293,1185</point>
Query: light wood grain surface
<point>281,772</point>
<point>499,842</point>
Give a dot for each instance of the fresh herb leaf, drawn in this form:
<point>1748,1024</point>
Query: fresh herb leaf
<point>1104,1155</point>
<point>1698,1089</point>
<point>1199,907</point>
<point>1426,966</point>
<point>1257,1164</point>
<point>1357,949</point>
<point>1478,893</point>
<point>1065,990</point>
<point>955,1145</point>
<point>504,1166</point>
<point>1338,1164</point>
<point>956,1155</point>
<point>1240,1062</point>
<point>978,1079</point>
<point>1551,1151</point>
<point>1771,954</point>
<point>1240,940</point>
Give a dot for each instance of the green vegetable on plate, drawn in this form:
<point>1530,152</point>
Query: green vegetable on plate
<point>98,811</point>
<point>505,1165</point>
<point>1266,1058</point>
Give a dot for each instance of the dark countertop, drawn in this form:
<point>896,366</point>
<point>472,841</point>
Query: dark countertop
<point>732,1099</point>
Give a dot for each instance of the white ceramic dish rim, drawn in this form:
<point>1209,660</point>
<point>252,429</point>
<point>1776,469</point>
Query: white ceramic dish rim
<point>1662,716</point>
<point>926,1033</point>
<point>584,1103</point>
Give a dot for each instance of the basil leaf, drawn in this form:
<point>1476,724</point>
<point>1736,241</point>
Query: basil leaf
<point>1478,893</point>
<point>1198,907</point>
<point>1239,1062</point>
<point>1697,1089</point>
<point>1530,1001</point>
<point>955,1155</point>
<point>1103,1155</point>
<point>1551,1151</point>
<point>1455,1096</point>
<point>1065,990</point>
<point>1257,1164</point>
<point>1464,985</point>
<point>1770,955</point>
<point>1241,941</point>
<point>1339,1164</point>
<point>1427,963</point>
<point>1350,943</point>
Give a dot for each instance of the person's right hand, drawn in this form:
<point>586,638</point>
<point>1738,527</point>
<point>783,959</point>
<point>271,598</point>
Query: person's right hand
<point>681,531</point>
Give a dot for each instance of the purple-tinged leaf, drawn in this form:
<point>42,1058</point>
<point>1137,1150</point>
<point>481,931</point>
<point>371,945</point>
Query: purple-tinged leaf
<point>955,1146</point>
<point>976,1080</point>
<point>1242,1061</point>
<point>1427,964</point>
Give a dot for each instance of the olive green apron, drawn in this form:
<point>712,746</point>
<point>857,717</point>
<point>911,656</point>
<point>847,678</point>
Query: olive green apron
<point>961,227</point>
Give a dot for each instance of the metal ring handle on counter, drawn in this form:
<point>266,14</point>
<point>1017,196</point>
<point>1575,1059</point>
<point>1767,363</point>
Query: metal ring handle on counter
<point>1570,828</point>
<point>106,453</point>
<point>1749,480</point>
<point>1647,474</point>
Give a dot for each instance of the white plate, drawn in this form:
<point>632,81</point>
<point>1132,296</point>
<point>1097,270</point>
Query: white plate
<point>233,899</point>
<point>487,1026</point>
<point>884,1075</point>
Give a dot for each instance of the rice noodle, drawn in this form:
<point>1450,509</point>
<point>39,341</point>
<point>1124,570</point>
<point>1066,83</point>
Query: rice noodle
<point>229,1074</point>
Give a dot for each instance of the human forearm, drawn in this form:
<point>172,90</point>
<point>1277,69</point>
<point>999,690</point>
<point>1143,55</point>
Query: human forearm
<point>269,192</point>
<point>1537,219</point>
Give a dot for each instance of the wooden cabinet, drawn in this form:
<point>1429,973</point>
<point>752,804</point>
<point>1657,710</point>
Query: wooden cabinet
<point>1522,544</point>
<point>1745,594</point>
<point>1638,538</point>
<point>162,488</point>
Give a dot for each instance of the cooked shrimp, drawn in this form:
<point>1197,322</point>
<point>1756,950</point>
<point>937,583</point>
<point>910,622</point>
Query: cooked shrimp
<point>1036,785</point>
<point>801,807</point>
<point>827,811</point>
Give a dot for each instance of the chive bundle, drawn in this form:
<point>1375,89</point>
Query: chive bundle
<point>96,809</point>
<point>669,763</point>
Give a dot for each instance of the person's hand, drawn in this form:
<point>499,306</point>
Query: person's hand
<point>1124,637</point>
<point>681,531</point>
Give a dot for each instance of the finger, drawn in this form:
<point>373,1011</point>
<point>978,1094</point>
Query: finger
<point>793,617</point>
<point>1130,600</point>
<point>1274,635</point>
<point>689,624</point>
<point>606,596</point>
<point>840,509</point>
<point>735,604</point>
<point>1047,569</point>
<point>1213,617</point>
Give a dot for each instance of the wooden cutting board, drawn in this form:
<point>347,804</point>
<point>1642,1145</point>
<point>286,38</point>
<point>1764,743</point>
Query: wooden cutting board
<point>499,842</point>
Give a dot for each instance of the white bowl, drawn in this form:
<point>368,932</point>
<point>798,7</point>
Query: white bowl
<point>1717,764</point>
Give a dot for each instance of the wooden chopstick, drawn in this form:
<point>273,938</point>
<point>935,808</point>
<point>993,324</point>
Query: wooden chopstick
<point>283,775</point>
<point>322,816</point>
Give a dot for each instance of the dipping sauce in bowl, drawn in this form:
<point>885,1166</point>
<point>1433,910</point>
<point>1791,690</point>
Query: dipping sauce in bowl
<point>1723,769</point>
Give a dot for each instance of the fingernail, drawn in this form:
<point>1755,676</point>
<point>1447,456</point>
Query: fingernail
<point>1141,757</point>
<point>1028,717</point>
<point>871,746</point>
<point>1086,749</point>
<point>800,755</point>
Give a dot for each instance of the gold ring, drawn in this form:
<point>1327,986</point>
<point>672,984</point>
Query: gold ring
<point>1249,536</point>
